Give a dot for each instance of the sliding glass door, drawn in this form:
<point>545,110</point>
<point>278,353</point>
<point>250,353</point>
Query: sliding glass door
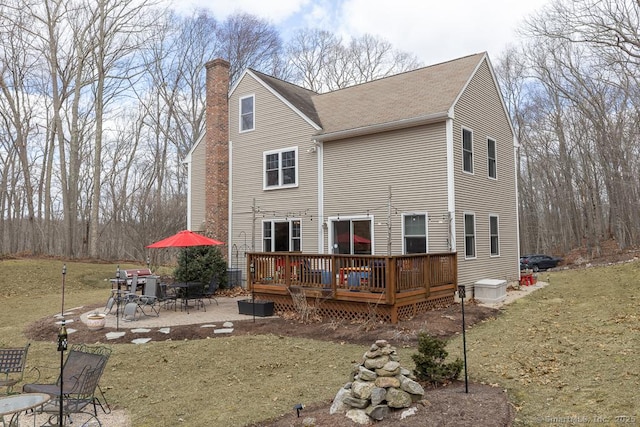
<point>352,236</point>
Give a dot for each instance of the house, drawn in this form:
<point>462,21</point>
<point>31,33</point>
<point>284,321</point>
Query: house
<point>419,162</point>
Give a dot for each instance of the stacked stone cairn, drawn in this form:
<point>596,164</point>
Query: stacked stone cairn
<point>380,386</point>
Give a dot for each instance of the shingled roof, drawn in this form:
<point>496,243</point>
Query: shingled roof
<point>297,96</point>
<point>407,97</point>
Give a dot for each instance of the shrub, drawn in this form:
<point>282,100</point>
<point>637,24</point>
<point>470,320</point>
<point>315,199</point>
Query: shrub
<point>430,361</point>
<point>201,264</point>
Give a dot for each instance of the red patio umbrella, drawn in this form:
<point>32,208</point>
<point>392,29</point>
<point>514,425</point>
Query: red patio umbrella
<point>346,237</point>
<point>184,239</point>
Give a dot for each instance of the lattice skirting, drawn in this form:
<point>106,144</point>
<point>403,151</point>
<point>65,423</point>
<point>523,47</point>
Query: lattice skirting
<point>358,311</point>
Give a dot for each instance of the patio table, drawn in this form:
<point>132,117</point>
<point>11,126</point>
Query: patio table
<point>18,403</point>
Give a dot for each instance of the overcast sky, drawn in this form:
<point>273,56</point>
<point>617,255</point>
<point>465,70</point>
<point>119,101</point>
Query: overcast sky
<point>434,31</point>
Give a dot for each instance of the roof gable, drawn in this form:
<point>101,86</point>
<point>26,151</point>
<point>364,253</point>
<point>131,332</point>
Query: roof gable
<point>425,95</point>
<point>296,97</point>
<point>426,92</point>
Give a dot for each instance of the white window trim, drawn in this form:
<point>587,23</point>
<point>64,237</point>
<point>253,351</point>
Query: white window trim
<point>495,159</point>
<point>370,218</point>
<point>473,157</point>
<point>426,229</point>
<point>264,169</point>
<point>498,220</point>
<point>274,220</point>
<point>475,235</point>
<point>240,130</point>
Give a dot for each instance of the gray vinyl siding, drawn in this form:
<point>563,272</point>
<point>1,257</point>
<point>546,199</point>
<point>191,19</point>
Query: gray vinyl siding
<point>276,127</point>
<point>479,109</point>
<point>198,163</point>
<point>359,171</point>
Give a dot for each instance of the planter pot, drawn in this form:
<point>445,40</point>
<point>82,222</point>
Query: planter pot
<point>258,307</point>
<point>96,321</point>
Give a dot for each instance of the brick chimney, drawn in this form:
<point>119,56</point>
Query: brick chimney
<point>217,151</point>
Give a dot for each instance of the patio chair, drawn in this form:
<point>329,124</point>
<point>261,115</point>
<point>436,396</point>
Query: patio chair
<point>81,372</point>
<point>75,404</point>
<point>12,363</point>
<point>118,297</point>
<point>166,296</point>
<point>149,298</point>
<point>195,292</point>
<point>211,289</point>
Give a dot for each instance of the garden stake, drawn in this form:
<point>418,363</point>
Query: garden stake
<point>462,294</point>
<point>62,346</point>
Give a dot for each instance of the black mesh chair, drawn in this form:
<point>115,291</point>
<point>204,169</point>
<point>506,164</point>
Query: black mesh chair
<point>12,363</point>
<point>211,288</point>
<point>81,372</point>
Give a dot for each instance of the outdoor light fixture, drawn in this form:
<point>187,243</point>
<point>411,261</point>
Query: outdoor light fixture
<point>299,407</point>
<point>252,270</point>
<point>117,296</point>
<point>462,293</point>
<point>62,346</point>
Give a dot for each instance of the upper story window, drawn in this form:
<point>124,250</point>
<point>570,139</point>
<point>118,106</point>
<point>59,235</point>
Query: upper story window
<point>280,168</point>
<point>469,235</point>
<point>467,150</point>
<point>491,158</point>
<point>494,235</point>
<point>247,113</point>
<point>415,233</point>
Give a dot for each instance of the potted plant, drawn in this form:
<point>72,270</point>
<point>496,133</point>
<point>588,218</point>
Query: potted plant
<point>96,321</point>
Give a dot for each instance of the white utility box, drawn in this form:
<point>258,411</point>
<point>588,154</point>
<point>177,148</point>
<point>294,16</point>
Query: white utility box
<point>490,291</point>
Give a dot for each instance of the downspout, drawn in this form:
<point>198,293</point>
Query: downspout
<point>320,191</point>
<point>230,202</point>
<point>451,191</point>
<point>516,165</point>
<point>189,190</point>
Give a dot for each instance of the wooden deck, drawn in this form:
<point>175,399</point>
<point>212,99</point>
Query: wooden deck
<point>354,287</point>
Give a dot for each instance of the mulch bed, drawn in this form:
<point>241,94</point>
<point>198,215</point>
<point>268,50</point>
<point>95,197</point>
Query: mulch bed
<point>484,405</point>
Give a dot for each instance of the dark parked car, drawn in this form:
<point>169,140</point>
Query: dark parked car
<point>538,262</point>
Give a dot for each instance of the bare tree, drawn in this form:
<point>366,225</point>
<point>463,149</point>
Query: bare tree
<point>572,92</point>
<point>248,42</point>
<point>322,62</point>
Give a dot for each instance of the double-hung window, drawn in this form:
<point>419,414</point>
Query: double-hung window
<point>467,150</point>
<point>491,158</point>
<point>280,168</point>
<point>469,235</point>
<point>494,236</point>
<point>247,113</point>
<point>281,236</point>
<point>415,233</point>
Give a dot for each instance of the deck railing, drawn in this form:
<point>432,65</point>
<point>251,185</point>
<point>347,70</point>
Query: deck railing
<point>331,274</point>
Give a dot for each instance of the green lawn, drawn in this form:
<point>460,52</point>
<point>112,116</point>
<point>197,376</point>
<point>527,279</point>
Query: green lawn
<point>568,350</point>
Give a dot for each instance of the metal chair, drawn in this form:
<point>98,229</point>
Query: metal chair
<point>194,291</point>
<point>12,363</point>
<point>165,296</point>
<point>149,298</point>
<point>211,289</point>
<point>81,373</point>
<point>76,402</point>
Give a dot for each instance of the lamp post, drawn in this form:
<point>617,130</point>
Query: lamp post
<point>252,270</point>
<point>118,297</point>
<point>462,294</point>
<point>62,346</point>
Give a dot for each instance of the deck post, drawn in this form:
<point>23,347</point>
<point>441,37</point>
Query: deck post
<point>392,273</point>
<point>426,275</point>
